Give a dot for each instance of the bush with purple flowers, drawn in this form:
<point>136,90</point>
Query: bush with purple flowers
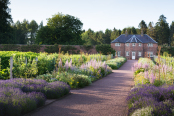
<point>19,96</point>
<point>14,102</point>
<point>161,99</point>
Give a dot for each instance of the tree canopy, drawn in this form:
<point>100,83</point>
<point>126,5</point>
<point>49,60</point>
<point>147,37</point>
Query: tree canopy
<point>5,19</point>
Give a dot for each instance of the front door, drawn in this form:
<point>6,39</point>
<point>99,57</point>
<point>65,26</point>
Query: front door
<point>133,55</point>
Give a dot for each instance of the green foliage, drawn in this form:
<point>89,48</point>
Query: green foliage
<point>139,70</point>
<point>68,49</point>
<point>130,30</point>
<point>47,77</point>
<point>168,49</point>
<point>32,48</point>
<point>142,25</point>
<point>45,63</point>
<point>61,29</point>
<point>4,74</point>
<point>74,80</point>
<point>9,47</point>
<point>65,49</point>
<point>116,63</point>
<point>23,70</point>
<point>105,49</point>
<point>143,112</point>
<point>158,83</point>
<point>5,20</point>
<point>87,47</point>
<point>162,30</point>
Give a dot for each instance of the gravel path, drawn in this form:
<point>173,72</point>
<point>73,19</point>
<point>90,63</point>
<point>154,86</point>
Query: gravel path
<point>105,97</point>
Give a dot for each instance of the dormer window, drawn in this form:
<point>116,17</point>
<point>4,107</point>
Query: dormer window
<point>139,44</point>
<point>133,44</point>
<point>150,44</point>
<point>117,44</point>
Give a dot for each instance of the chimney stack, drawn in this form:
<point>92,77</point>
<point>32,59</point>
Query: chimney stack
<point>126,33</point>
<point>141,32</point>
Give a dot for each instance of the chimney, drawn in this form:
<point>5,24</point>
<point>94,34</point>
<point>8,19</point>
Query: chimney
<point>141,32</point>
<point>126,33</point>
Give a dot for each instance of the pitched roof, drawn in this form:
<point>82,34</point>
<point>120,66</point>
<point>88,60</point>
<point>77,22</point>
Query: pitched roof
<point>134,39</point>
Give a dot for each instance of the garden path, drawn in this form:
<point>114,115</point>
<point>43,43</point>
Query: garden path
<point>105,97</point>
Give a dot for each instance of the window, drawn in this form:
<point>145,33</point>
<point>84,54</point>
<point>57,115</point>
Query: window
<point>139,53</point>
<point>117,44</point>
<point>150,53</point>
<point>127,53</point>
<point>133,44</point>
<point>127,44</point>
<point>150,44</point>
<point>118,53</point>
<point>139,44</point>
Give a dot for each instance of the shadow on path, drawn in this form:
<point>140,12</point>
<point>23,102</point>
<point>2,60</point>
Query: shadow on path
<point>105,97</point>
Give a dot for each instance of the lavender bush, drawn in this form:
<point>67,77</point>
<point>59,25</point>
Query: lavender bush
<point>38,85</point>
<point>161,99</point>
<point>15,102</point>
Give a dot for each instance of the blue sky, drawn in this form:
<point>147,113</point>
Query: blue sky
<point>95,14</point>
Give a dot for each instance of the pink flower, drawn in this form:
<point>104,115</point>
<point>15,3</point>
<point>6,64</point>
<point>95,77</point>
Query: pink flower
<point>66,65</point>
<point>152,78</point>
<point>146,75</point>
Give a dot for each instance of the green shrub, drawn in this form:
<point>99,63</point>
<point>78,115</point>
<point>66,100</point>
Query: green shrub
<point>143,112</point>
<point>139,70</point>
<point>46,77</point>
<point>74,80</point>
<point>105,49</point>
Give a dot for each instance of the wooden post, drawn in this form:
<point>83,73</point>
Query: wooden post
<point>11,66</point>
<point>0,64</point>
<point>36,60</point>
<point>26,60</point>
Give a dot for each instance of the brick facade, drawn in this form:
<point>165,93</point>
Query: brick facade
<point>143,49</point>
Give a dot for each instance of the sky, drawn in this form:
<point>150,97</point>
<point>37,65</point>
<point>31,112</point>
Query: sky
<point>97,15</point>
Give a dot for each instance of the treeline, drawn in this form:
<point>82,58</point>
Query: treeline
<point>67,30</point>
<point>160,32</point>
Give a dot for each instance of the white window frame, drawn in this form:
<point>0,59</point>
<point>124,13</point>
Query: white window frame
<point>139,53</point>
<point>118,53</point>
<point>133,44</point>
<point>127,53</point>
<point>139,44</point>
<point>127,44</point>
<point>117,44</point>
<point>151,54</point>
<point>150,44</point>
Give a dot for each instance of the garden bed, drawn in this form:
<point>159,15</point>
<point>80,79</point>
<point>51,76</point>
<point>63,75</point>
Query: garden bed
<point>20,96</point>
<point>153,94</point>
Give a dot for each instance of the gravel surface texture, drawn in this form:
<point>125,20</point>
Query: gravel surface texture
<point>105,97</point>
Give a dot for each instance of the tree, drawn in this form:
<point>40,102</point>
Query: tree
<point>32,28</point>
<point>151,31</point>
<point>171,37</point>
<point>6,35</point>
<point>68,29</point>
<point>99,37</point>
<point>107,36</point>
<point>21,32</point>
<point>130,30</point>
<point>142,25</point>
<point>162,31</point>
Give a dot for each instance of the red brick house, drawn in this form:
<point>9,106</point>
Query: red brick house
<point>134,46</point>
